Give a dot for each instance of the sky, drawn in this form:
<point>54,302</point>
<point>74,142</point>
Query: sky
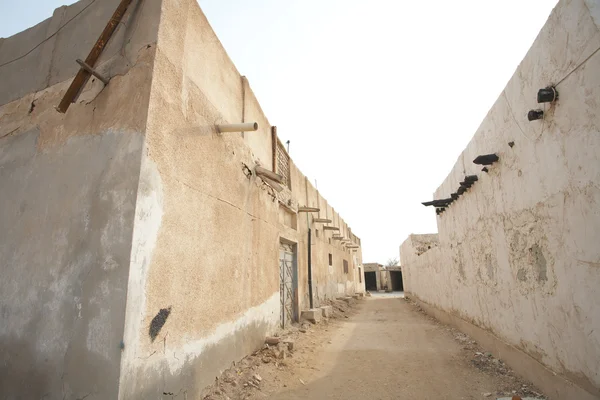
<point>378,98</point>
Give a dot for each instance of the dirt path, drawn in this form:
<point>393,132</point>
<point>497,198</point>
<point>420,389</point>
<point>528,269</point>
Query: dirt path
<point>386,350</point>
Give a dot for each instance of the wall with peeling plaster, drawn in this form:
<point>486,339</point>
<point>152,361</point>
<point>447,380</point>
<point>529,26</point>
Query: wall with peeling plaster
<point>518,253</point>
<point>141,254</point>
<point>69,185</point>
<point>207,229</point>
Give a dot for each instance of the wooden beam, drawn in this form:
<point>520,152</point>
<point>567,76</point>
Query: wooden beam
<point>260,171</point>
<point>353,247</point>
<point>272,183</point>
<point>308,209</point>
<point>83,75</point>
<point>331,228</point>
<point>322,220</point>
<point>337,238</point>
<point>92,71</point>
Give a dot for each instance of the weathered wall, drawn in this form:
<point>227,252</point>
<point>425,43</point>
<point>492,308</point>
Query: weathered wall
<point>69,184</point>
<point>207,229</point>
<point>54,61</point>
<point>519,250</point>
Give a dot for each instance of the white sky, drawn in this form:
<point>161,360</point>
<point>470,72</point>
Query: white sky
<point>378,97</point>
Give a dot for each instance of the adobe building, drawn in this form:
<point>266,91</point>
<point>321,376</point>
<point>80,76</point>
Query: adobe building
<point>144,246</point>
<point>516,262</point>
<point>381,278</point>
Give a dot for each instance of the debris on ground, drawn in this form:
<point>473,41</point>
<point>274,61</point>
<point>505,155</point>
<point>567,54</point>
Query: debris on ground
<point>279,361</point>
<point>483,360</point>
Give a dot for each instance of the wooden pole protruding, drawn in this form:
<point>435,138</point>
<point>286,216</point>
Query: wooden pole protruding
<point>308,209</point>
<point>263,172</point>
<point>272,183</point>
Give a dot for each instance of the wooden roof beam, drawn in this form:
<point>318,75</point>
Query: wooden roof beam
<point>263,172</point>
<point>308,209</point>
<point>272,183</point>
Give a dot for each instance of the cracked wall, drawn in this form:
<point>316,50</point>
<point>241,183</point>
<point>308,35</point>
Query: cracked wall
<point>519,252</point>
<point>207,229</point>
<point>142,251</point>
<point>69,184</point>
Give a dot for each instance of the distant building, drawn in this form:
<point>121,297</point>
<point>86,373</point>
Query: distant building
<point>381,278</point>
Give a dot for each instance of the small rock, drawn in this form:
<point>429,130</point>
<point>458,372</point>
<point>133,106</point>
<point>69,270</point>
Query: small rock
<point>478,353</point>
<point>301,381</point>
<point>234,383</point>
<point>257,377</point>
<point>272,340</point>
<point>217,392</point>
<point>290,344</point>
<point>487,394</point>
<point>302,330</point>
<point>266,360</point>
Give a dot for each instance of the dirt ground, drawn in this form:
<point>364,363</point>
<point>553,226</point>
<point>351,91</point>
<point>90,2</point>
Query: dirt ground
<point>377,348</point>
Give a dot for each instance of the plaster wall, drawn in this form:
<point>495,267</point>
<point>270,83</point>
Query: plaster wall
<point>207,230</point>
<point>69,184</point>
<point>62,42</point>
<point>518,253</point>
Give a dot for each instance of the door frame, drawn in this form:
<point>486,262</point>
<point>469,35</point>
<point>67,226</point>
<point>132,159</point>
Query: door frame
<point>295,296</point>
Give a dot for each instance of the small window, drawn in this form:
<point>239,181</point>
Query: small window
<point>330,259</point>
<point>359,275</point>
<point>345,266</point>
<point>329,243</point>
<point>316,232</point>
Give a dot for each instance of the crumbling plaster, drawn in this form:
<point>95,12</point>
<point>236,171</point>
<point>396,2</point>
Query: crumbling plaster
<point>69,185</point>
<point>518,251</point>
<point>207,229</point>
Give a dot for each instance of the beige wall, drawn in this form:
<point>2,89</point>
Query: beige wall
<point>68,186</point>
<point>131,202</point>
<point>207,233</point>
<point>518,252</point>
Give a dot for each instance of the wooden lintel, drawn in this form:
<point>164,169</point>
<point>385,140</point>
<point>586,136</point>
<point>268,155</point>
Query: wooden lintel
<point>263,172</point>
<point>308,209</point>
<point>272,183</point>
<point>353,247</point>
<point>322,220</point>
<point>337,238</point>
<point>331,228</point>
<point>83,75</point>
